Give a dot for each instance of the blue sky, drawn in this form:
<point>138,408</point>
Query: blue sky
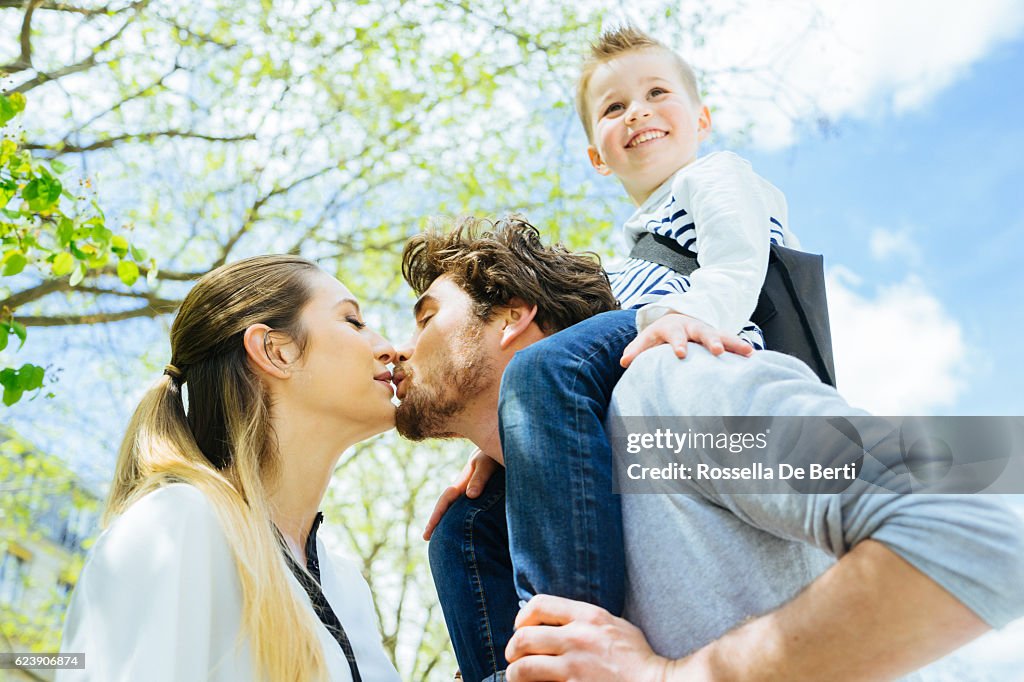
<point>941,184</point>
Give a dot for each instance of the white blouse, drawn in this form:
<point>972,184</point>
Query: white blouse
<point>159,599</point>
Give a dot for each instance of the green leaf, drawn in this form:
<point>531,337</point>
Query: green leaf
<point>31,191</point>
<point>119,245</point>
<point>14,263</point>
<point>17,101</point>
<point>30,377</point>
<point>7,111</point>
<point>12,395</point>
<point>3,336</point>
<point>78,275</point>
<point>55,188</point>
<point>138,254</point>
<point>65,229</point>
<point>19,331</point>
<point>63,264</point>
<point>128,272</point>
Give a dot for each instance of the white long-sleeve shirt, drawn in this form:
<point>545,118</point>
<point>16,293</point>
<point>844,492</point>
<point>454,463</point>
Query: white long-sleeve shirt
<point>720,209</point>
<point>159,599</point>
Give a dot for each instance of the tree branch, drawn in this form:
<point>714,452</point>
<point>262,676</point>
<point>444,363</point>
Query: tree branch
<point>138,137</point>
<point>24,61</point>
<point>52,286</point>
<point>64,7</point>
<point>84,65</point>
<point>155,308</point>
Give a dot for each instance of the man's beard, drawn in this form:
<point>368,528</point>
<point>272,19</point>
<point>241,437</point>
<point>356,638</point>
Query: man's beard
<point>428,407</point>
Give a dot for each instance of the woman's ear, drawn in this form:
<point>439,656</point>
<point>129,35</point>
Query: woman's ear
<point>265,352</point>
<point>518,318</point>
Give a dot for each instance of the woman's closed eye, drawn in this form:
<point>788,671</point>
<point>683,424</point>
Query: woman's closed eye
<point>422,322</point>
<point>356,322</point>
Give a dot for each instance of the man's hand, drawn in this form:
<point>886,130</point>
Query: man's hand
<point>471,481</point>
<point>560,640</point>
<point>676,330</point>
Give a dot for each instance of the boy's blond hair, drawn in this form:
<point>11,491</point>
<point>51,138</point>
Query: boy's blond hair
<point>614,43</point>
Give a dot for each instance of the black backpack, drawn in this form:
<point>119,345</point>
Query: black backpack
<point>791,310</point>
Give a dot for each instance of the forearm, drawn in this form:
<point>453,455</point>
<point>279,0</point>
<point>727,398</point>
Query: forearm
<point>872,616</point>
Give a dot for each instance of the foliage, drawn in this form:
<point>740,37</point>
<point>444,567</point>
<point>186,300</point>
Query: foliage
<point>328,129</point>
<point>376,506</point>
<point>45,509</point>
<point>44,227</point>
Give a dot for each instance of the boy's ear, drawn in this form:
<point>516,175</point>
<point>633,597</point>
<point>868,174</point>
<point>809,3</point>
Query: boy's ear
<point>703,124</point>
<point>518,318</point>
<point>597,162</point>
<point>266,351</point>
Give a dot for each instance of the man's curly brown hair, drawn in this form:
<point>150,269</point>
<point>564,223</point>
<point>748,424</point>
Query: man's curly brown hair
<point>497,261</point>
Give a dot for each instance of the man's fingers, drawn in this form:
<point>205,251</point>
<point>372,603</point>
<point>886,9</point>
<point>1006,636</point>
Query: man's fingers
<point>462,479</point>
<point>450,494</point>
<point>482,472</point>
<point>546,609</point>
<point>537,669</point>
<point>546,640</point>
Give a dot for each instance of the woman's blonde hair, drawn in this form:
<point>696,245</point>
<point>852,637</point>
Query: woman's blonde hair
<point>224,445</point>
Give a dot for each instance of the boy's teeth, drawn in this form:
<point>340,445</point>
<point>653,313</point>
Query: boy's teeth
<point>646,136</point>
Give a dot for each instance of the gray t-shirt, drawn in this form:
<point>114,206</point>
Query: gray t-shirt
<point>700,564</point>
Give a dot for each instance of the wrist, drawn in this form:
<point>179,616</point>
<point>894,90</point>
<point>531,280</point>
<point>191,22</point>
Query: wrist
<point>697,667</point>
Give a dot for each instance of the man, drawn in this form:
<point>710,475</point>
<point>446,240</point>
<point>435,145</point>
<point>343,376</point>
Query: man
<point>724,586</point>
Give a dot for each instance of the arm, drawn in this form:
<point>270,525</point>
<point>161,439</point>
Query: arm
<point>731,218</point>
<point>871,616</point>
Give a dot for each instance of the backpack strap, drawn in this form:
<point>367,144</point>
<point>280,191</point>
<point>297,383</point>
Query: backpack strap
<point>792,310</point>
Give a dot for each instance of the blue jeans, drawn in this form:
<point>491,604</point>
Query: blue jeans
<point>564,533</point>
<point>472,572</point>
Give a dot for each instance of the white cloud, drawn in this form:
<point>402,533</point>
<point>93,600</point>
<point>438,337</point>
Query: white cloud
<point>885,244</point>
<point>835,58</point>
<point>897,350</point>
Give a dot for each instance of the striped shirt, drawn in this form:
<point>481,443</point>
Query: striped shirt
<point>720,209</point>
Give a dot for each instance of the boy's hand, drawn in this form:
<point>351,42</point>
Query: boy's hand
<point>471,481</point>
<point>676,329</point>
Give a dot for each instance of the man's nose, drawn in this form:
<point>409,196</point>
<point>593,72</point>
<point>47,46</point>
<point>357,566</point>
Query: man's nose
<point>404,351</point>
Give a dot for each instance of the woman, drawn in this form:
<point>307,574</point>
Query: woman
<point>210,568</point>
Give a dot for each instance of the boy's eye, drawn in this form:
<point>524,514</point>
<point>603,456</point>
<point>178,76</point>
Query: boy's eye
<point>612,108</point>
<point>355,322</point>
<point>658,91</point>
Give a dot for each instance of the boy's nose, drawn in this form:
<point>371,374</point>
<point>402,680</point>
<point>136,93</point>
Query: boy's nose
<point>636,112</point>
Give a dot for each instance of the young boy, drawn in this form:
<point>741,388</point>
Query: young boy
<point>640,108</point>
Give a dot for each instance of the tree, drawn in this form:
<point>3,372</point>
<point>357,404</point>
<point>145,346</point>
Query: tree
<point>46,228</point>
<point>329,129</point>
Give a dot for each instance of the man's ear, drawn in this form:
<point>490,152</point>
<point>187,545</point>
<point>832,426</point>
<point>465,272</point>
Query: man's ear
<point>597,162</point>
<point>266,352</point>
<point>518,318</point>
<point>703,124</point>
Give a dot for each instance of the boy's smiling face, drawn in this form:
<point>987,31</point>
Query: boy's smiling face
<point>645,124</point>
